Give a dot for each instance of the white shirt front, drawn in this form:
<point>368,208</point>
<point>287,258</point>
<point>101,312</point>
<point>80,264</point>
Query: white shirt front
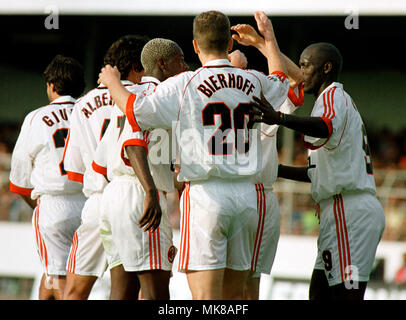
<point>340,163</point>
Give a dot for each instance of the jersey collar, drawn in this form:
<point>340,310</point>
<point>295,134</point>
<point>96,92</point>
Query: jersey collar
<point>334,84</point>
<point>218,63</point>
<point>148,79</point>
<point>125,83</point>
<point>64,100</point>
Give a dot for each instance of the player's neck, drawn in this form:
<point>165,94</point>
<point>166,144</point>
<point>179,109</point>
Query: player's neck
<point>53,97</point>
<point>323,86</point>
<point>206,57</point>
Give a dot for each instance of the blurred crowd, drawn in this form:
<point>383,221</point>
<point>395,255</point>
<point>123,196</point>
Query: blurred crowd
<point>388,150</point>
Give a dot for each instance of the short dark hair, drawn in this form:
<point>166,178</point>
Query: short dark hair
<point>211,30</point>
<point>125,54</point>
<point>327,52</point>
<point>67,75</point>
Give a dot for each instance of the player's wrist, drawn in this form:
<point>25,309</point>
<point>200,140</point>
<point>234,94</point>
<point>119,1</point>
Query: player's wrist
<point>281,118</point>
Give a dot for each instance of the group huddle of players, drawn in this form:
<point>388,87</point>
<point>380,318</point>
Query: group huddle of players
<point>98,168</point>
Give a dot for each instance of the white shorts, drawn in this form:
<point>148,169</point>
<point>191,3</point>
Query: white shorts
<point>218,225</point>
<point>351,226</point>
<point>87,257</point>
<point>55,221</point>
<point>124,241</point>
<point>268,231</point>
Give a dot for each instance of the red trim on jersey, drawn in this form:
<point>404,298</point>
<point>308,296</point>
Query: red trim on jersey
<point>20,190</point>
<point>221,66</point>
<point>74,176</point>
<point>99,169</point>
<point>132,142</point>
<point>329,124</point>
<point>64,102</point>
<point>130,113</point>
<point>328,102</point>
<point>281,75</point>
<point>296,100</point>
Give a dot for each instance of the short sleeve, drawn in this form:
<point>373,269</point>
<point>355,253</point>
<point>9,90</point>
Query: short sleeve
<point>100,160</point>
<point>332,109</point>
<point>30,141</point>
<point>131,138</point>
<point>73,161</point>
<point>155,110</point>
<point>275,88</point>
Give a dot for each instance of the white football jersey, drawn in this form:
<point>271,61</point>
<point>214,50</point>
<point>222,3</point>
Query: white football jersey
<point>111,158</point>
<point>340,163</point>
<point>269,172</point>
<point>89,122</point>
<point>207,110</point>
<point>37,164</point>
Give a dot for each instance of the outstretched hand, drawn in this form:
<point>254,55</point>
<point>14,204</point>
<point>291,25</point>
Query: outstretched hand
<point>151,218</point>
<point>108,75</point>
<point>262,111</point>
<point>247,36</point>
<point>264,25</point>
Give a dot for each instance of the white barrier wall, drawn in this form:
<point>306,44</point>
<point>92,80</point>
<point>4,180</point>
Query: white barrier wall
<point>292,268</point>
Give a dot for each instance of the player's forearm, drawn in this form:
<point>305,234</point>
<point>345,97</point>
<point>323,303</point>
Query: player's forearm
<point>137,156</point>
<point>119,94</point>
<point>274,57</point>
<point>27,199</point>
<point>309,126</point>
<point>293,173</point>
<point>294,74</point>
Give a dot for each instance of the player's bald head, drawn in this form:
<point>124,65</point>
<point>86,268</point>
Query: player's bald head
<point>323,52</point>
<point>158,48</point>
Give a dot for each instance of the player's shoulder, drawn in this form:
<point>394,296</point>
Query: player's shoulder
<point>180,77</point>
<point>333,96</point>
<point>37,114</point>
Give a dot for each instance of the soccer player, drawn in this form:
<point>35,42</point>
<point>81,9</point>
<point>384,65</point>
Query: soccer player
<point>38,173</point>
<point>268,229</point>
<point>145,254</point>
<point>341,175</point>
<point>218,154</point>
<point>89,121</point>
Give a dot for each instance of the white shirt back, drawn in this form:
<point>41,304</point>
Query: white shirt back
<point>111,154</point>
<point>269,172</point>
<point>209,106</point>
<point>340,163</point>
<point>89,122</point>
<point>37,160</point>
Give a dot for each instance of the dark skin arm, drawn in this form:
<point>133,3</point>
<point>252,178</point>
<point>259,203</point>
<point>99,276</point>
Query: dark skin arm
<point>29,201</point>
<point>293,173</point>
<point>262,111</point>
<point>151,217</point>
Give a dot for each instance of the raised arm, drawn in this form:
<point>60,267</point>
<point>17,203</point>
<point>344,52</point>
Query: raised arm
<point>247,36</point>
<point>110,77</point>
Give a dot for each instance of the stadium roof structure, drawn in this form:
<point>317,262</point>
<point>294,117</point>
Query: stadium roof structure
<point>187,7</point>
